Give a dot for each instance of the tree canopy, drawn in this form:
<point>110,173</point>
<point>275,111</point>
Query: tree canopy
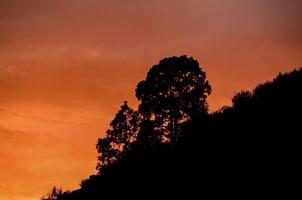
<point>175,90</point>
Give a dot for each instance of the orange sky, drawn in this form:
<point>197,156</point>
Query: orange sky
<point>66,66</point>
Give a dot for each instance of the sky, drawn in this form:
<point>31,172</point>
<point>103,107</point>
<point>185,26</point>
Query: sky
<point>66,66</point>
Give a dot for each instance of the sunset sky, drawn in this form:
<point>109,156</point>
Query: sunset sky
<point>67,65</point>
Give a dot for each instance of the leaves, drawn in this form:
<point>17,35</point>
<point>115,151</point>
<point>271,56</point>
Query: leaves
<point>123,131</point>
<point>174,91</point>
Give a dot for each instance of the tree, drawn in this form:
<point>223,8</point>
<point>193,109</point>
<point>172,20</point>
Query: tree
<point>241,99</point>
<point>123,131</point>
<point>174,91</point>
<point>54,194</point>
<point>147,137</point>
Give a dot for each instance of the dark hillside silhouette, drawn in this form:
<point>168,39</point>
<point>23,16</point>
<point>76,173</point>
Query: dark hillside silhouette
<point>172,146</point>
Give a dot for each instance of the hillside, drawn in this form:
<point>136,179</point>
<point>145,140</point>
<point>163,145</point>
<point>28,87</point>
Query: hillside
<point>251,147</point>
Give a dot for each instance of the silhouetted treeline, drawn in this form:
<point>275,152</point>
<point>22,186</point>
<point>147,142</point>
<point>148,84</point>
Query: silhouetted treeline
<point>172,146</point>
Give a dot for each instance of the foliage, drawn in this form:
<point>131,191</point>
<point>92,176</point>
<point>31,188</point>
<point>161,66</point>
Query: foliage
<point>54,194</point>
<point>123,131</point>
<point>174,91</point>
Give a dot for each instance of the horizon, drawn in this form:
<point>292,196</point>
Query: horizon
<point>65,69</point>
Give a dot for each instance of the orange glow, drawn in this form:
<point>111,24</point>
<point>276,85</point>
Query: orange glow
<point>65,69</point>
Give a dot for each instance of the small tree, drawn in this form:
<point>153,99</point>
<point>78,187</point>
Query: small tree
<point>54,194</point>
<point>123,131</point>
<point>174,91</point>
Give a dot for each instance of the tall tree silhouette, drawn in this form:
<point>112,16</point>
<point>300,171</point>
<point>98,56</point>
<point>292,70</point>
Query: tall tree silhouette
<point>174,91</point>
<point>123,131</point>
